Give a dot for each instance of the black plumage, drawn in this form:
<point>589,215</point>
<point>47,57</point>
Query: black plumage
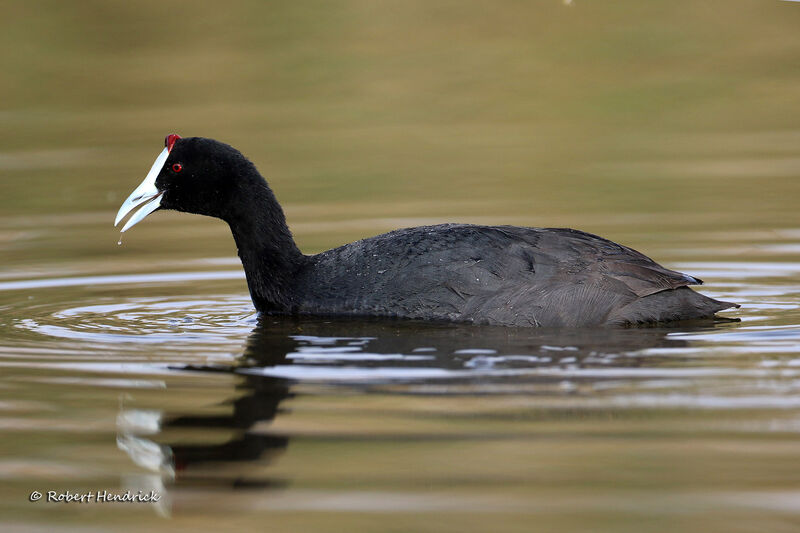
<point>500,275</point>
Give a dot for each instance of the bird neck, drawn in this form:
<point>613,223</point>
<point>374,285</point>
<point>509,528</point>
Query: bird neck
<point>269,255</point>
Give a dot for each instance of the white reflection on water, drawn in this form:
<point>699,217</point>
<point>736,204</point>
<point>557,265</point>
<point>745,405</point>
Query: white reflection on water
<point>740,270</point>
<point>171,277</point>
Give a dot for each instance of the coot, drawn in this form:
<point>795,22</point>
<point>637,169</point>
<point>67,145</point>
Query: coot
<point>499,275</point>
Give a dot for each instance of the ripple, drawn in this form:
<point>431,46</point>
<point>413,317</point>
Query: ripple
<point>168,334</point>
<point>214,319</point>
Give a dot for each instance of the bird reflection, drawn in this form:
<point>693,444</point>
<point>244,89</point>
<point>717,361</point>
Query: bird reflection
<point>233,462</point>
<point>241,459</point>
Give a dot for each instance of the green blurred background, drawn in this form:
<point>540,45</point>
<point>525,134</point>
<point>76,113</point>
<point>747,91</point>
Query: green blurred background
<point>530,108</point>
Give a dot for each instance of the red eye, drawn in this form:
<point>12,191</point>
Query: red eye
<point>177,167</point>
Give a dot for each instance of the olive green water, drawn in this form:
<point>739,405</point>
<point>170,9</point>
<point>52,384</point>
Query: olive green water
<point>671,127</point>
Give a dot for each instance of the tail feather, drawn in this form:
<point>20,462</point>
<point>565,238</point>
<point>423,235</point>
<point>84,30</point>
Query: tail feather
<point>668,306</point>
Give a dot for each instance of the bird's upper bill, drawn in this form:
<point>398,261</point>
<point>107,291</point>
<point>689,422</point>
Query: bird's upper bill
<point>146,193</point>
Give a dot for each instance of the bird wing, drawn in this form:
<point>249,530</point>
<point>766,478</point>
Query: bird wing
<point>491,274</point>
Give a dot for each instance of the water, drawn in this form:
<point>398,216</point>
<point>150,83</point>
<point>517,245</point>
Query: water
<point>164,379</point>
<point>143,366</point>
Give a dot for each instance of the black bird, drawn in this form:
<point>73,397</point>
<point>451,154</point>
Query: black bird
<point>497,275</point>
